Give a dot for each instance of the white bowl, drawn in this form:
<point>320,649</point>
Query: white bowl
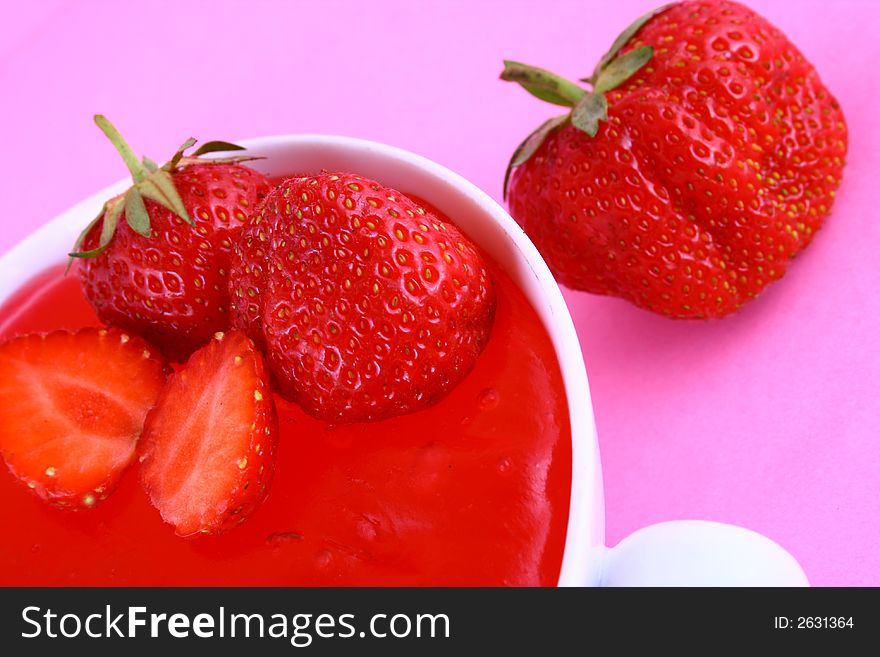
<point>677,553</point>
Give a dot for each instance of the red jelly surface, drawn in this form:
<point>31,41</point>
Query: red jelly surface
<point>472,491</point>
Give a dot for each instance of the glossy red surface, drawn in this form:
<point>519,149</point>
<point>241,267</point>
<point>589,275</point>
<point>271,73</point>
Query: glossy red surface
<point>473,491</point>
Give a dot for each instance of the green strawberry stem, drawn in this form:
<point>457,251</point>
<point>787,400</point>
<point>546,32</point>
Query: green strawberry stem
<point>138,172</point>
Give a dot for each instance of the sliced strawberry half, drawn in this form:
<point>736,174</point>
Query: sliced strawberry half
<point>72,406</point>
<point>208,449</point>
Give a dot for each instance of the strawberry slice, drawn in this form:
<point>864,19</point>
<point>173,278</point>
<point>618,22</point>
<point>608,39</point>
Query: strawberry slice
<point>208,449</point>
<point>72,406</point>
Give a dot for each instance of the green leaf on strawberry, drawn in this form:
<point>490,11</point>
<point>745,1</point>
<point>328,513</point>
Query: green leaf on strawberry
<point>150,182</point>
<point>622,69</point>
<point>136,212</point>
<point>531,144</point>
<point>587,113</point>
<point>621,40</point>
<point>216,147</point>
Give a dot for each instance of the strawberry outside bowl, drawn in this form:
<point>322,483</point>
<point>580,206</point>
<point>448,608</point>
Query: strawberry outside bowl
<point>674,553</point>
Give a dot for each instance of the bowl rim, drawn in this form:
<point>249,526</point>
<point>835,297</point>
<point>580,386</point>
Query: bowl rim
<point>47,244</point>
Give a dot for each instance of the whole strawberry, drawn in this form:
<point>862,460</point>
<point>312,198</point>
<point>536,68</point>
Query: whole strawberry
<point>369,305</point>
<point>706,155</point>
<point>156,260</point>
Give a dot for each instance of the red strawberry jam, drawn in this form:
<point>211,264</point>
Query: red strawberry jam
<point>472,491</point>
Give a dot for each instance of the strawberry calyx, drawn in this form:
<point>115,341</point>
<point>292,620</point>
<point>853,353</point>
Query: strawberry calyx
<point>588,106</point>
<point>150,181</point>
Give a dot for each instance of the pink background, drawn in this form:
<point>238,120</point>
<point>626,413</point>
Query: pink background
<point>768,419</point>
